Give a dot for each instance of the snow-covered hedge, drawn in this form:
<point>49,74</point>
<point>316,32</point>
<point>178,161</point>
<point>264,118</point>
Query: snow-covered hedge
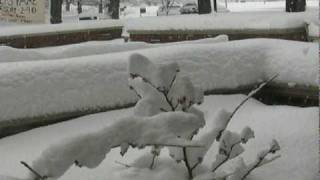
<point>29,89</point>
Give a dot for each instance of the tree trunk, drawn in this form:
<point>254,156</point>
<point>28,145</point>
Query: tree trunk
<point>79,7</point>
<point>215,6</point>
<point>204,6</point>
<point>295,5</point>
<point>68,2</point>
<point>56,11</point>
<point>100,7</point>
<point>113,9</point>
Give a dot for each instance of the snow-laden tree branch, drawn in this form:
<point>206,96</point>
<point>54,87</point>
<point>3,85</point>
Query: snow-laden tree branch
<point>89,150</point>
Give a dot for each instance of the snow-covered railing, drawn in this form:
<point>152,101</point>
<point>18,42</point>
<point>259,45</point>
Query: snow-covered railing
<point>55,90</point>
<point>236,25</point>
<point>30,36</point>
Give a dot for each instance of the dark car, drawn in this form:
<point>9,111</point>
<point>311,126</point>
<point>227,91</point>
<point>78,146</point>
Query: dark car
<point>189,8</point>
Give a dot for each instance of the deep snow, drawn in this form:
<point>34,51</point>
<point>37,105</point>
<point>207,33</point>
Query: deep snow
<point>295,128</point>
<point>96,81</point>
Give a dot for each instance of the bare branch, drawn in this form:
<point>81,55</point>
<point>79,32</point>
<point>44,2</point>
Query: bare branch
<point>252,93</point>
<point>186,162</point>
<point>123,164</point>
<point>153,161</point>
<point>135,91</point>
<point>227,157</point>
<point>33,171</point>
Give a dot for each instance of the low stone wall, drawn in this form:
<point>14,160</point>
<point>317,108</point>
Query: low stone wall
<point>61,37</point>
<point>274,94</point>
<point>298,34</point>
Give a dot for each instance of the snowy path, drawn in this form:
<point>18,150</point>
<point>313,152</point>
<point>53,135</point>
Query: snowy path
<point>295,128</point>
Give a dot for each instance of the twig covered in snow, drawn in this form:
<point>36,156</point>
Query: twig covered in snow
<point>261,159</point>
<point>177,92</point>
<point>89,150</point>
<point>242,170</point>
<point>252,93</point>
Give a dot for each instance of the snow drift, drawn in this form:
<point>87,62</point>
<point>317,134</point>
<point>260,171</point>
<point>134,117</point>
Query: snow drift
<point>99,81</point>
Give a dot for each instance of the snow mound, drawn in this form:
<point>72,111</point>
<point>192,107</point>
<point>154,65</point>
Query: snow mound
<point>9,54</point>
<point>90,149</point>
<point>100,81</point>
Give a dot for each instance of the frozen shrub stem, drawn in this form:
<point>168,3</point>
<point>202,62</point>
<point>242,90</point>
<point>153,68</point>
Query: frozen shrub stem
<point>38,176</point>
<point>250,95</point>
<point>227,156</point>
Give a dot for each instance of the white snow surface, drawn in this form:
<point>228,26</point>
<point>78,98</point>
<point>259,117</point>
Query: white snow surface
<point>224,21</point>
<point>313,29</point>
<point>9,54</point>
<point>96,81</point>
<point>53,28</point>
<point>295,129</point>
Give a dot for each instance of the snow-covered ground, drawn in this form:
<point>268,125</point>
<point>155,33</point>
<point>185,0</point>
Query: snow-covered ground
<point>295,129</point>
<point>96,81</point>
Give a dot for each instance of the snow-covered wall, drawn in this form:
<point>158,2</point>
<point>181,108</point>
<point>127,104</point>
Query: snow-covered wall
<point>54,28</point>
<point>9,54</point>
<point>248,21</point>
<point>37,88</point>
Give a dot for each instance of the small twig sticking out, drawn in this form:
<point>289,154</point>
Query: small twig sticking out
<point>135,91</point>
<point>252,93</point>
<point>153,161</point>
<point>123,164</point>
<point>33,171</point>
<point>227,157</point>
<point>258,164</point>
<point>186,162</point>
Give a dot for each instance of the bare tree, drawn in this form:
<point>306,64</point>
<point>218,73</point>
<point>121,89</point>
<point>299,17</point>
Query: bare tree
<point>295,5</point>
<point>79,8</point>
<point>204,6</point>
<point>113,9</point>
<point>55,11</point>
<point>166,5</point>
<point>68,2</point>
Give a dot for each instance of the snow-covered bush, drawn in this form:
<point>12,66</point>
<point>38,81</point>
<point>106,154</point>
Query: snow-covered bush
<point>164,116</point>
<point>161,89</point>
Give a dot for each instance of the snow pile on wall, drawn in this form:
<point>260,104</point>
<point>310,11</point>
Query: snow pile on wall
<point>9,54</point>
<point>224,21</point>
<point>30,89</point>
<point>53,28</point>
